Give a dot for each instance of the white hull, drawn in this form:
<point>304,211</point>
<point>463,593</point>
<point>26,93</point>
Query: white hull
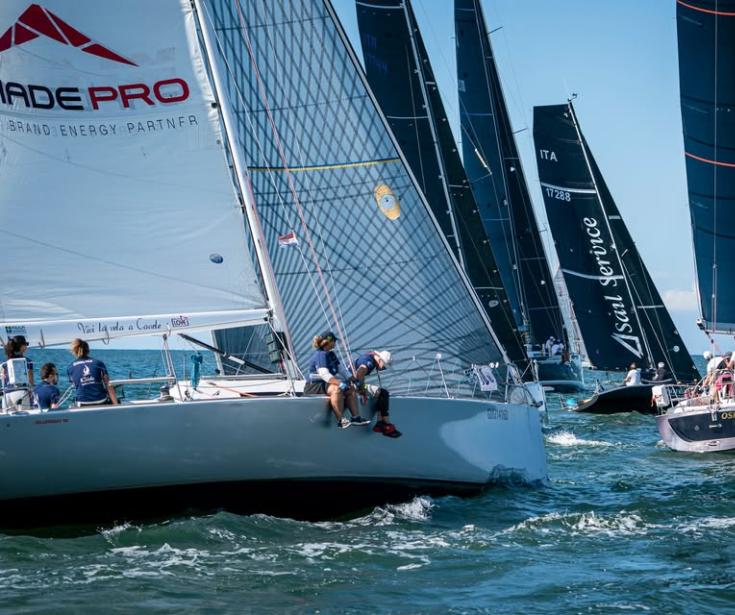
<point>467,443</point>
<point>699,429</point>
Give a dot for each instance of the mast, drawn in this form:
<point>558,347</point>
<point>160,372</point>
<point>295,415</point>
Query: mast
<point>432,126</point>
<point>612,236</point>
<point>273,298</point>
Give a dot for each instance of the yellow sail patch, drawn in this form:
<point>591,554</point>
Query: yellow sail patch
<point>387,202</point>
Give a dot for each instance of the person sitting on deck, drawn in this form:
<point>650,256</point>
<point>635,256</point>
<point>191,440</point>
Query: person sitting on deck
<point>90,378</point>
<point>46,394</point>
<point>365,364</point>
<point>328,377</point>
<point>633,377</point>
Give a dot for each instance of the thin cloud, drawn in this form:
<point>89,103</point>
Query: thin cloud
<point>680,300</point>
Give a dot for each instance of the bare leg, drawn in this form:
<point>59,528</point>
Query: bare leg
<point>351,402</point>
<point>336,400</point>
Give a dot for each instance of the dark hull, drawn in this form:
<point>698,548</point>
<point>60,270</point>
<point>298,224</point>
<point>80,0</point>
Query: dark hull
<point>621,399</point>
<point>297,499</point>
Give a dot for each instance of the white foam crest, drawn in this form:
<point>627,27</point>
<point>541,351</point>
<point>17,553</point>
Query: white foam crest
<point>621,524</point>
<point>707,523</point>
<point>567,438</point>
<point>588,523</point>
<point>112,532</point>
<point>418,509</point>
<point>329,550</point>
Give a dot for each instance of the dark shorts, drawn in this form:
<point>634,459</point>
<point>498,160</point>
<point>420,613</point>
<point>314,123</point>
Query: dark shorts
<point>315,388</point>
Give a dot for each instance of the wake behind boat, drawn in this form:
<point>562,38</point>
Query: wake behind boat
<point>220,226</point>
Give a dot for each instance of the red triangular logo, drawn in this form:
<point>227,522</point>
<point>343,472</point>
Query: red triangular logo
<point>37,21</point>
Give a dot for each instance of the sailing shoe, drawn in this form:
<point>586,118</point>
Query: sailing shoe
<point>387,429</point>
<point>358,420</point>
<point>344,423</point>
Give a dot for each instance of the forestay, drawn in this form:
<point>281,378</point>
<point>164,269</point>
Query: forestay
<point>118,214</point>
<point>339,207</point>
<point>620,313</point>
<point>706,30</point>
<point>498,183</point>
<point>400,75</point>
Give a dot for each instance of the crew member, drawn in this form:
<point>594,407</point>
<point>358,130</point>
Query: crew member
<point>365,365</point>
<point>90,377</point>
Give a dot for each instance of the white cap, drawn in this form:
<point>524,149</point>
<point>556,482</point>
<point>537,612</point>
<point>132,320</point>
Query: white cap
<point>384,357</point>
<point>661,365</point>
<point>707,355</point>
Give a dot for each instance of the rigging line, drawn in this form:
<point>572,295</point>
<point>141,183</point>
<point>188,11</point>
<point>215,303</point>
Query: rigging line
<point>715,169</point>
<point>325,252</point>
<point>291,184</point>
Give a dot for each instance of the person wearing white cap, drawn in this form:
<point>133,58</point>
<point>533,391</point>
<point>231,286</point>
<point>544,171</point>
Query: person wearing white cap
<point>365,364</point>
<point>662,374</point>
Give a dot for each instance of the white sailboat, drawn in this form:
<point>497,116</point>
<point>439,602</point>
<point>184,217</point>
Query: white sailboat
<point>124,174</point>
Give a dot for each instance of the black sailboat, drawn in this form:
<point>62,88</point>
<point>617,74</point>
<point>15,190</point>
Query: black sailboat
<point>620,313</point>
<point>706,33</point>
<point>496,175</point>
<point>402,80</point>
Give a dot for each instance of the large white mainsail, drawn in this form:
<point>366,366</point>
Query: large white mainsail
<point>118,215</point>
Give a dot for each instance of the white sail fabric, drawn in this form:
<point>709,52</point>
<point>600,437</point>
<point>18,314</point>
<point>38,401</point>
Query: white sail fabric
<point>117,206</point>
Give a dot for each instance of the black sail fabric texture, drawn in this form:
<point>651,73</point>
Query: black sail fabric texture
<point>347,230</point>
<point>706,32</point>
<point>401,77</point>
<point>494,169</point>
<point>619,311</point>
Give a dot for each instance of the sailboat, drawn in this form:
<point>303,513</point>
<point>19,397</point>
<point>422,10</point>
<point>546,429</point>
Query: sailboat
<point>496,176</point>
<point>188,178</point>
<point>620,313</point>
<point>706,33</point>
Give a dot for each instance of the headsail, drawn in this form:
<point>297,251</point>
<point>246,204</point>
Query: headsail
<point>620,313</point>
<point>347,210</point>
<point>496,175</point>
<point>118,214</point>
<point>706,30</point>
<point>400,75</point>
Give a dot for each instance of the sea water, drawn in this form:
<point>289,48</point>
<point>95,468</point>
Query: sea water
<point>625,525</point>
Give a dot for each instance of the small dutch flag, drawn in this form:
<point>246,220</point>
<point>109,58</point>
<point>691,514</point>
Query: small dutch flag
<point>288,240</point>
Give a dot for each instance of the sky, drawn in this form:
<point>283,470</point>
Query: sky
<point>620,58</point>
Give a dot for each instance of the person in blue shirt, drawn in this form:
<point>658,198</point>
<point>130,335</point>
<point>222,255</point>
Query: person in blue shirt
<point>366,364</point>
<point>46,394</point>
<point>90,378</point>
<point>328,377</point>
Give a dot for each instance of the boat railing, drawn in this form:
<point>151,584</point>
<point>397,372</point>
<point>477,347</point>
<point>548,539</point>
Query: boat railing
<point>715,388</point>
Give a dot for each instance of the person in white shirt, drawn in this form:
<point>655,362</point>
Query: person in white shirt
<point>633,377</point>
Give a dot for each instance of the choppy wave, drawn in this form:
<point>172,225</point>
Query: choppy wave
<point>567,438</point>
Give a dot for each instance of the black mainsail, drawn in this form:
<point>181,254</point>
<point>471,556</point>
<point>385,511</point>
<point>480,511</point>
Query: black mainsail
<point>706,30</point>
<point>498,183</point>
<point>401,77</point>
<point>620,313</point>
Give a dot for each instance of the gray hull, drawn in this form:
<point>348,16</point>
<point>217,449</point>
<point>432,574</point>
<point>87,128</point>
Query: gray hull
<point>698,430</point>
<point>202,450</point>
